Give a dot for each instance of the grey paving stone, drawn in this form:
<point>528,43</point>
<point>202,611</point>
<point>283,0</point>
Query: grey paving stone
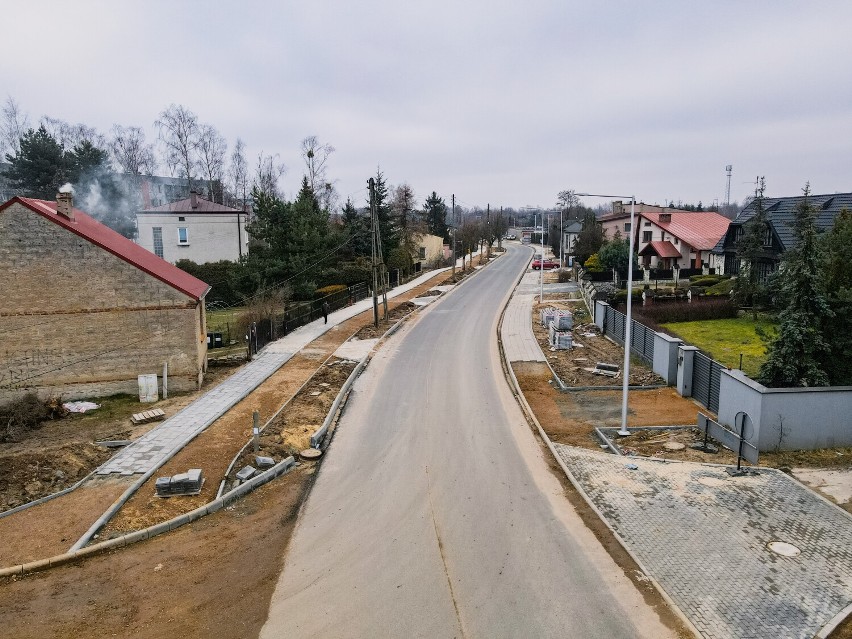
<point>707,546</point>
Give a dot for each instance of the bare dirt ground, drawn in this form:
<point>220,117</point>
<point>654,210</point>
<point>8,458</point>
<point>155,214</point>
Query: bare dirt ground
<point>589,348</point>
<point>62,451</point>
<point>212,578</point>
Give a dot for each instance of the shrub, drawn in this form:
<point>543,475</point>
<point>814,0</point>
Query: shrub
<point>27,413</point>
<point>698,309</point>
<point>593,264</point>
<point>328,290</point>
<point>564,275</point>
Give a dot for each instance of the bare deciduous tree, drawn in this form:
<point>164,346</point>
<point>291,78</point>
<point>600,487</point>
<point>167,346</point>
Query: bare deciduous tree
<point>211,159</point>
<point>269,169</point>
<point>130,152</point>
<point>178,128</point>
<point>315,155</point>
<point>71,135</point>
<point>238,174</point>
<point>13,125</point>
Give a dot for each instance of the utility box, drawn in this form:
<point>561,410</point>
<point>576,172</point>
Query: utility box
<point>148,391</point>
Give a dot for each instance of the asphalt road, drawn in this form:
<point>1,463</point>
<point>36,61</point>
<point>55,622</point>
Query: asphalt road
<point>435,514</point>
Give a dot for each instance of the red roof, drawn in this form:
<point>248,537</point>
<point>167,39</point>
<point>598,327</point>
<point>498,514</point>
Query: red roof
<point>103,236</point>
<point>661,249</point>
<point>701,230</point>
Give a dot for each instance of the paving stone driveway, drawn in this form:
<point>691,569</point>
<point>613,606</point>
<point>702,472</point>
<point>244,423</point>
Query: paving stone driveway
<point>703,536</point>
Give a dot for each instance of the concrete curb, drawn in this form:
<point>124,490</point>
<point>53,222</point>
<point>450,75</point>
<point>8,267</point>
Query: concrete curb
<point>152,531</point>
<point>527,410</point>
<point>832,625</point>
<point>318,437</point>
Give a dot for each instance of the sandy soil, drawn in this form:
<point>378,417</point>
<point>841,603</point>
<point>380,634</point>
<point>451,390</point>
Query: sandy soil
<point>212,578</point>
<point>59,522</point>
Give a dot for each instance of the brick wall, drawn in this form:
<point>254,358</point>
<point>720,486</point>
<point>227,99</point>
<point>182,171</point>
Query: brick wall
<point>78,321</point>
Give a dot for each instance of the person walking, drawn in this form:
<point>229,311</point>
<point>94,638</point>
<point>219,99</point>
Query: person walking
<point>325,312</point>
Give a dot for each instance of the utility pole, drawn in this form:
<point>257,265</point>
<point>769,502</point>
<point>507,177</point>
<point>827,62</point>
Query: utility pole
<point>454,237</point>
<point>374,260</point>
<point>488,226</point>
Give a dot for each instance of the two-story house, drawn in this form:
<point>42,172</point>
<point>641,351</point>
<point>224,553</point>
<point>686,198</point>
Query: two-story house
<point>680,239</point>
<point>779,237</point>
<point>193,229</point>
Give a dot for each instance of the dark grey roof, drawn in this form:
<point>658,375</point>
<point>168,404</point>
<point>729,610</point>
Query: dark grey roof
<point>780,211</point>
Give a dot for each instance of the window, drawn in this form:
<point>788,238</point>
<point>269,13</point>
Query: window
<point>183,235</point>
<point>767,237</point>
<point>627,227</point>
<point>646,236</point>
<point>181,219</point>
<point>422,252</point>
<point>158,241</point>
<point>647,224</point>
<point>676,241</point>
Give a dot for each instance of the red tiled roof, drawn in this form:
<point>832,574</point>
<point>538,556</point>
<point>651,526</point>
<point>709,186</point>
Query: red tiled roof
<point>103,236</point>
<point>661,249</point>
<point>185,206</point>
<point>701,230</point>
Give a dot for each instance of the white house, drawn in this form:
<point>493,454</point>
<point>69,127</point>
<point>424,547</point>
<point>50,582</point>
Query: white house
<point>193,229</point>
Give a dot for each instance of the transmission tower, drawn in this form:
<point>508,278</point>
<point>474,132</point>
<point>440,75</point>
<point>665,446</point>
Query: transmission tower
<point>728,187</point>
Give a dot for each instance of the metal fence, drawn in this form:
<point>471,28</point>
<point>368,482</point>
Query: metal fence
<point>641,337</point>
<point>298,314</point>
<point>706,378</point>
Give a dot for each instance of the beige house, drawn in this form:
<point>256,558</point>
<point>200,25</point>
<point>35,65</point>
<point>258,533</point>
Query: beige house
<point>430,249</point>
<point>85,311</point>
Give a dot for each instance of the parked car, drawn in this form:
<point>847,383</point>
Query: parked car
<point>545,264</point>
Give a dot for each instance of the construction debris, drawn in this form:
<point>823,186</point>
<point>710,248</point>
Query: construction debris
<point>146,416</point>
<point>264,462</point>
<point>246,473</point>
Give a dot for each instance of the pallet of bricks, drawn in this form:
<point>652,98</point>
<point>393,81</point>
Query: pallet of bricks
<point>559,324</point>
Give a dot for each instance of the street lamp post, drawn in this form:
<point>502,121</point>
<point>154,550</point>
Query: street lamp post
<point>627,336</point>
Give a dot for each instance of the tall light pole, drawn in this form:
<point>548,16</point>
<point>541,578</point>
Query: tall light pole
<point>627,336</point>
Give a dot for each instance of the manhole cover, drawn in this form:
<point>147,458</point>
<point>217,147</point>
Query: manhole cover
<point>674,446</point>
<point>783,548</point>
<point>713,482</point>
<point>310,454</point>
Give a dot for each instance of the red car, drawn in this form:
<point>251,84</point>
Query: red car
<point>546,264</point>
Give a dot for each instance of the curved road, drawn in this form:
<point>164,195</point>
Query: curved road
<point>435,515</point>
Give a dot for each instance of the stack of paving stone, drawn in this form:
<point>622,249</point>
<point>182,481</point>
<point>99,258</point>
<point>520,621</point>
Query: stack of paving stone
<point>188,483</point>
<point>547,316</point>
<point>560,340</point>
<point>564,320</point>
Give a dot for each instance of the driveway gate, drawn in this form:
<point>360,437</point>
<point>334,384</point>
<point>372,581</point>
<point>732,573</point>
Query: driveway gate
<point>706,377</point>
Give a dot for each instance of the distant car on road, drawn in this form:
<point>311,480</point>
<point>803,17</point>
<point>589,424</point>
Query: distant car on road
<point>546,264</point>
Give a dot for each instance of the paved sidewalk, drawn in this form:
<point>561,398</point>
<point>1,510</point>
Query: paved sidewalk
<point>519,342</point>
<point>157,445</point>
<point>703,536</point>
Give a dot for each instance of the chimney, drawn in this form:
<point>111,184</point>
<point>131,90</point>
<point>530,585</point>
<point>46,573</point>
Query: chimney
<point>193,199</point>
<point>65,206</point>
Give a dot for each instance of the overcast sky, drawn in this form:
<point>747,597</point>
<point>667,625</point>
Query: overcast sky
<point>497,102</point>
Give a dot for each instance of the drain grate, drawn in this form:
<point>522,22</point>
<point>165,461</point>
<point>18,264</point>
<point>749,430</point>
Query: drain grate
<point>783,548</point>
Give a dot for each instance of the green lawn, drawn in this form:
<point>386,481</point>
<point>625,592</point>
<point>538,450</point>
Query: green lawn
<point>725,339</point>
<point>219,319</point>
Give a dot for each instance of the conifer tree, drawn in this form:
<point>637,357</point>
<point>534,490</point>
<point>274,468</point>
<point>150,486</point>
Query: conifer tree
<point>796,354</point>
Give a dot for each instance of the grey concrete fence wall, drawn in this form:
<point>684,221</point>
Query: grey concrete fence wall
<point>788,418</point>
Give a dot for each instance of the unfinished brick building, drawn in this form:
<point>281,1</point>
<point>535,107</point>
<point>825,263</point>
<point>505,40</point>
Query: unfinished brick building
<point>84,310</point>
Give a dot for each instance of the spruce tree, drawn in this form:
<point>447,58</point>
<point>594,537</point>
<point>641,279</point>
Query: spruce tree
<point>837,275</point>
<point>41,166</point>
<point>749,288</point>
<point>435,210</point>
<point>795,356</point>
